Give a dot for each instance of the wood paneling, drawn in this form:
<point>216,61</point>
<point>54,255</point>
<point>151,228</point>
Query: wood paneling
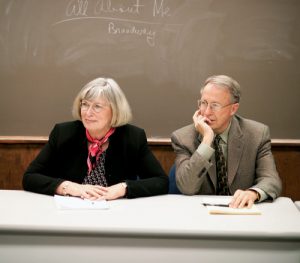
<point>287,160</point>
<point>17,152</point>
<point>14,159</point>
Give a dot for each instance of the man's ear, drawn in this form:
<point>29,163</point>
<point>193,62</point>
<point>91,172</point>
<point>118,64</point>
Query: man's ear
<point>234,108</point>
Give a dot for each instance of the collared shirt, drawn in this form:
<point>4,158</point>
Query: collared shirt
<point>206,151</point>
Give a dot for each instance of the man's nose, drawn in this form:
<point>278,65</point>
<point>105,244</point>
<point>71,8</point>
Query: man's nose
<point>207,111</point>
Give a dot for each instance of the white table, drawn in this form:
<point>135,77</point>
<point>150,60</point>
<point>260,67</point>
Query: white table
<point>169,228</point>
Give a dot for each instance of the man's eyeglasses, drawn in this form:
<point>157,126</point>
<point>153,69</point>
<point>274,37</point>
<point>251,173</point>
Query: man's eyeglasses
<point>214,107</point>
<point>84,105</point>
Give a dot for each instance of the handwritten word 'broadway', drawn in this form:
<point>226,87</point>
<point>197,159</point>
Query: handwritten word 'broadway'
<point>133,30</point>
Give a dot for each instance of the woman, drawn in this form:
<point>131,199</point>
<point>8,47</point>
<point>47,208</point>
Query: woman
<point>99,155</point>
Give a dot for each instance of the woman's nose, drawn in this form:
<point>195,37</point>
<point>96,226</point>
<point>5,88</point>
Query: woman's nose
<point>89,110</point>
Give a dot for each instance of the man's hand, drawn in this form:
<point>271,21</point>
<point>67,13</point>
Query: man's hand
<point>202,126</point>
<point>243,199</point>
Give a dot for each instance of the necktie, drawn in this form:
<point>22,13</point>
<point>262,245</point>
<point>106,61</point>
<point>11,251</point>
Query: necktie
<point>222,182</point>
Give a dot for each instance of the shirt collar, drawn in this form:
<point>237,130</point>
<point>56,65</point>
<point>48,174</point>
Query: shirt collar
<point>224,134</point>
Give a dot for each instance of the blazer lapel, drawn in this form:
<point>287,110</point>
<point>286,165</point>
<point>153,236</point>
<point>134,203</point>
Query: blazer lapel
<point>235,146</point>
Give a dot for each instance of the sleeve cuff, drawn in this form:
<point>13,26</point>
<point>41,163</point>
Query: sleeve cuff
<point>205,151</point>
<point>262,194</point>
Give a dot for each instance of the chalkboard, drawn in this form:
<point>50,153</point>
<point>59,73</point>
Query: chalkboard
<point>159,51</point>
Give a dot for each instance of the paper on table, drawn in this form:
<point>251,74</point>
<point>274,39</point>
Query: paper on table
<point>220,210</point>
<point>73,203</point>
<point>217,206</point>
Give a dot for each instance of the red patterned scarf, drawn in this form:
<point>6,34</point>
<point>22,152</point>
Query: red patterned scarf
<point>95,147</point>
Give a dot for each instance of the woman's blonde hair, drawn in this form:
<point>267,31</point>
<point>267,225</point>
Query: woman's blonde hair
<point>108,89</point>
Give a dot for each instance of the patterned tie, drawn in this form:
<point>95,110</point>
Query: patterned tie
<point>222,185</point>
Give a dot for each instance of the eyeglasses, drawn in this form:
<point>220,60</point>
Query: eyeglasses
<point>214,107</point>
<point>85,106</point>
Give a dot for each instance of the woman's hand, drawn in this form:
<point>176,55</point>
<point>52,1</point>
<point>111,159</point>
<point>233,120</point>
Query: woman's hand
<point>113,192</point>
<point>91,192</point>
<point>85,191</point>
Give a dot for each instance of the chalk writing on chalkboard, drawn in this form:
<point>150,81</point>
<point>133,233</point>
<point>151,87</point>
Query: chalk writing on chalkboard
<point>159,51</point>
<point>121,19</point>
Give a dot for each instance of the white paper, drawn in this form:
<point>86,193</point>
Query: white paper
<point>69,202</point>
<point>215,205</point>
<point>219,210</point>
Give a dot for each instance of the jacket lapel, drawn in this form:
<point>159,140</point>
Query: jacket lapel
<point>235,146</point>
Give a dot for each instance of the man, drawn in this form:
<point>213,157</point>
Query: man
<point>245,165</point>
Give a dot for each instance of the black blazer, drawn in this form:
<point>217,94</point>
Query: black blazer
<point>128,158</point>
